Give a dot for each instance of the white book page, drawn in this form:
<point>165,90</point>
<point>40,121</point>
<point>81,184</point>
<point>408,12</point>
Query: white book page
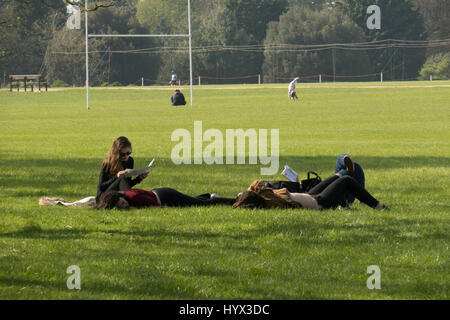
<point>290,174</point>
<point>137,172</point>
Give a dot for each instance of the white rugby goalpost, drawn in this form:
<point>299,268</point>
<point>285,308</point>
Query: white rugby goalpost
<point>137,36</point>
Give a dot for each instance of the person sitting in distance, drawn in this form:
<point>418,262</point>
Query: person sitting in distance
<point>177,99</point>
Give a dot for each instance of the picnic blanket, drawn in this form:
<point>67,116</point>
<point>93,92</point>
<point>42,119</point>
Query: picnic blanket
<point>85,202</point>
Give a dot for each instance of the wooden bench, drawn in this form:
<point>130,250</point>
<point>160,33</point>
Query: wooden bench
<point>28,80</point>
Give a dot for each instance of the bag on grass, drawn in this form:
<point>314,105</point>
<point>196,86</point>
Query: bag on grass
<point>304,186</point>
<point>276,185</point>
<point>310,183</point>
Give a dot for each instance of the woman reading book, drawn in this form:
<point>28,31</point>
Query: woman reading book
<point>112,175</point>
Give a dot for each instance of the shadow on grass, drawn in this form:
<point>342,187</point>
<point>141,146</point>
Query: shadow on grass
<point>161,283</point>
<point>359,234</point>
<point>354,234</point>
<point>313,162</point>
<point>53,175</point>
<point>73,234</point>
<point>165,286</point>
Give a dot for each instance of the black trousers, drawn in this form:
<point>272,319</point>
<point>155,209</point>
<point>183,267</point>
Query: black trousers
<point>334,191</point>
<point>173,198</point>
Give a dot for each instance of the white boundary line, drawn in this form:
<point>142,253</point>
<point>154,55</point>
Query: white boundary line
<point>137,36</point>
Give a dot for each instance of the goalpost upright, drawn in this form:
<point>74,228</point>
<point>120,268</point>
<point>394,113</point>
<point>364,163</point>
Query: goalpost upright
<point>87,54</point>
<point>137,36</point>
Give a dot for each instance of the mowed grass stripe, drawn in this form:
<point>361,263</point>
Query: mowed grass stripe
<point>51,145</point>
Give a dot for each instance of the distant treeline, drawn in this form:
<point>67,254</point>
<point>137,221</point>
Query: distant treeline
<point>231,38</point>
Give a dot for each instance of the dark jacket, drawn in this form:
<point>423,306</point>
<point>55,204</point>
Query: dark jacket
<point>107,183</point>
<point>177,99</point>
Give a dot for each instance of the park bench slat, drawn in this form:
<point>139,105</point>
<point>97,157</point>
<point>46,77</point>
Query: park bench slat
<point>31,79</point>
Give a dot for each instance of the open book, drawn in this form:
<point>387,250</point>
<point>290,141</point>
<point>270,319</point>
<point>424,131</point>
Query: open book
<point>137,172</point>
<point>290,174</point>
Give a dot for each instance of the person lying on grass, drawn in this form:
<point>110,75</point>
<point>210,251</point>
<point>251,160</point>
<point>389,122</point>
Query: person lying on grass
<point>159,197</point>
<point>328,194</point>
<point>114,168</point>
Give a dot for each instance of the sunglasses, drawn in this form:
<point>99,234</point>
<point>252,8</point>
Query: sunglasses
<point>125,154</point>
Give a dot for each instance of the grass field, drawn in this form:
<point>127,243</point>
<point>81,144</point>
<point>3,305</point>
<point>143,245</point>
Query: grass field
<point>50,145</point>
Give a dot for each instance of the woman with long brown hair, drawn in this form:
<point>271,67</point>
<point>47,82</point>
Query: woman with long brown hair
<point>328,194</point>
<point>114,168</point>
<point>158,197</point>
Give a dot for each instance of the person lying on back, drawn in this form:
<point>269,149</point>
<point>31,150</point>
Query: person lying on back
<point>328,194</point>
<point>158,197</point>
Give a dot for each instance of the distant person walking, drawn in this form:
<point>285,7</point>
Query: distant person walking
<point>173,80</point>
<point>177,99</point>
<point>292,95</point>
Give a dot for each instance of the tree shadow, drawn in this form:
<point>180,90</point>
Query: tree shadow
<point>313,162</point>
<point>167,285</point>
<point>59,176</point>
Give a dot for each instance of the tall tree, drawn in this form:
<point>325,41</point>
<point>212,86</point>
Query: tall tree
<point>167,17</point>
<point>215,23</point>
<point>109,60</point>
<point>400,21</point>
<point>436,14</point>
<point>26,26</point>
<point>303,26</point>
<point>23,36</point>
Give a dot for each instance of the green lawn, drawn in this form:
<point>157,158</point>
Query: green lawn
<point>50,145</point>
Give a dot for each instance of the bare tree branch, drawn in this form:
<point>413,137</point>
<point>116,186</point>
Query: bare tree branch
<point>97,5</point>
<point>49,5</point>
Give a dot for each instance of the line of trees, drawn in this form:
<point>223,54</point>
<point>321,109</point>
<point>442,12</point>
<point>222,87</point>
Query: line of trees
<point>34,39</point>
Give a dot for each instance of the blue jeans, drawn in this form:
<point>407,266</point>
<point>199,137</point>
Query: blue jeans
<point>358,175</point>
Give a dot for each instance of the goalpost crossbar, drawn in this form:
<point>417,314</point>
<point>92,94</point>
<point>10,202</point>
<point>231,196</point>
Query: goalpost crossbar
<point>189,35</point>
<point>137,35</point>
